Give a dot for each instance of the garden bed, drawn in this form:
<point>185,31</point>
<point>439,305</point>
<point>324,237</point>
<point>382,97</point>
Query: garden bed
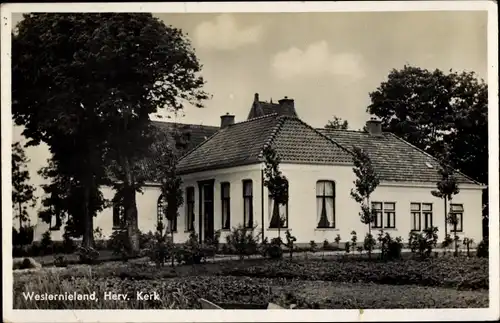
<point>241,292</point>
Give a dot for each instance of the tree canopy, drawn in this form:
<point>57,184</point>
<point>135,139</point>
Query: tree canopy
<point>85,84</point>
<point>431,108</point>
<point>337,124</point>
<point>22,192</point>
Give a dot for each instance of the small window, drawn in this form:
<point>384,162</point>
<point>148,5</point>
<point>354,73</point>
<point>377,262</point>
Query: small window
<point>161,215</point>
<point>456,217</point>
<point>278,215</point>
<point>385,215</point>
<point>190,209</point>
<point>325,204</point>
<point>118,216</point>
<point>421,216</point>
<point>248,203</point>
<point>226,205</point>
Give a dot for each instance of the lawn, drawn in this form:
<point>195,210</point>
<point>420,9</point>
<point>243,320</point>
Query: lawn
<point>333,283</point>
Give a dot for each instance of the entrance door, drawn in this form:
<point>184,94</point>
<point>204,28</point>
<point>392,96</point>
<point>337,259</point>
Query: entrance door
<point>206,210</point>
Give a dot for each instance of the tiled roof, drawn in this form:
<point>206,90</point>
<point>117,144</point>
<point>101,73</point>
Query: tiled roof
<point>393,158</point>
<point>184,136</point>
<point>242,144</point>
<point>263,108</point>
<point>178,137</point>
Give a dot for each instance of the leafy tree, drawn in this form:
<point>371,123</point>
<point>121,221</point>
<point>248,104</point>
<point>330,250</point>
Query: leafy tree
<point>365,184</point>
<point>64,199</point>
<point>170,188</point>
<point>277,184</point>
<point>447,187</point>
<point>22,191</point>
<point>337,124</point>
<point>94,88</point>
<point>431,109</point>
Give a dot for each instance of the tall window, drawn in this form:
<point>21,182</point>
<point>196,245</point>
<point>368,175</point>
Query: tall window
<point>190,209</point>
<point>421,216</point>
<point>118,216</point>
<point>385,215</point>
<point>225,205</point>
<point>248,203</point>
<point>161,215</point>
<point>325,204</point>
<point>278,215</point>
<point>457,212</point>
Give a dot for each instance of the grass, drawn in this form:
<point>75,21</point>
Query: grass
<point>314,283</point>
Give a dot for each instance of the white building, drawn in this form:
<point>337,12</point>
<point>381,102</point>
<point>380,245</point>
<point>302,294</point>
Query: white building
<point>222,173</point>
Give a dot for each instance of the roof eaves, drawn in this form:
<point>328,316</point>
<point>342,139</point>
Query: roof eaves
<point>198,169</point>
<point>434,158</point>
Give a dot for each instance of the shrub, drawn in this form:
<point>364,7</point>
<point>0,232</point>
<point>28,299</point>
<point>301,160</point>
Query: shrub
<point>22,237</point>
<point>468,242</point>
<point>354,240</point>
<point>446,242</point>
<point>214,243</point>
<point>46,243</point>
<point>88,255</point>
<point>263,247</point>
<point>190,252</point>
<point>290,240</point>
<point>60,261</point>
<point>337,240</point>
<point>313,247</point>
<point>423,242</point>
<point>68,245</point>
<point>390,248</point>
<point>347,247</point>
<point>369,243</point>
<point>120,244</point>
<point>483,249</point>
<point>99,239</point>
<point>242,241</point>
<point>275,251</point>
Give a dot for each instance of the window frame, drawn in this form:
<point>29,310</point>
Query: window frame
<point>118,211</point>
<point>247,223</point>
<point>190,206</point>
<point>271,209</point>
<point>423,215</point>
<point>159,202</point>
<point>324,198</point>
<point>460,223</point>
<point>224,200</point>
<point>384,214</point>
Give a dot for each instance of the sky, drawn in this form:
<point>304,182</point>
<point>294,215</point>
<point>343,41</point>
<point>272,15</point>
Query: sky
<point>327,62</point>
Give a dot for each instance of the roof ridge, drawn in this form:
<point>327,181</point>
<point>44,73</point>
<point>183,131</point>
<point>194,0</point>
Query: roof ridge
<point>277,127</point>
<point>183,124</point>
<point>196,147</point>
<point>345,130</point>
<point>255,118</point>
<point>232,125</point>
<point>322,135</point>
<point>433,158</point>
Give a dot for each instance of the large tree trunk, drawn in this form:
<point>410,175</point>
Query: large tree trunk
<point>445,217</point>
<point>130,208</point>
<point>88,218</point>
<point>20,216</point>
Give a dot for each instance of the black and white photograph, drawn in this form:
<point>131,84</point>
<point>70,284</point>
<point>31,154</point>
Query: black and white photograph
<point>262,160</point>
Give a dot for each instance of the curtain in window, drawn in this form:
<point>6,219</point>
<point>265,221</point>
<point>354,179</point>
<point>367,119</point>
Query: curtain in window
<point>325,203</point>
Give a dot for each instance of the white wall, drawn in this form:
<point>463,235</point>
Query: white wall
<point>234,176</point>
<point>302,205</point>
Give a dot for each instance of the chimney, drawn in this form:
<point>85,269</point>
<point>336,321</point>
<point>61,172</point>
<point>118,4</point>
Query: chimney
<point>287,107</point>
<point>256,97</point>
<point>374,127</point>
<point>226,120</point>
